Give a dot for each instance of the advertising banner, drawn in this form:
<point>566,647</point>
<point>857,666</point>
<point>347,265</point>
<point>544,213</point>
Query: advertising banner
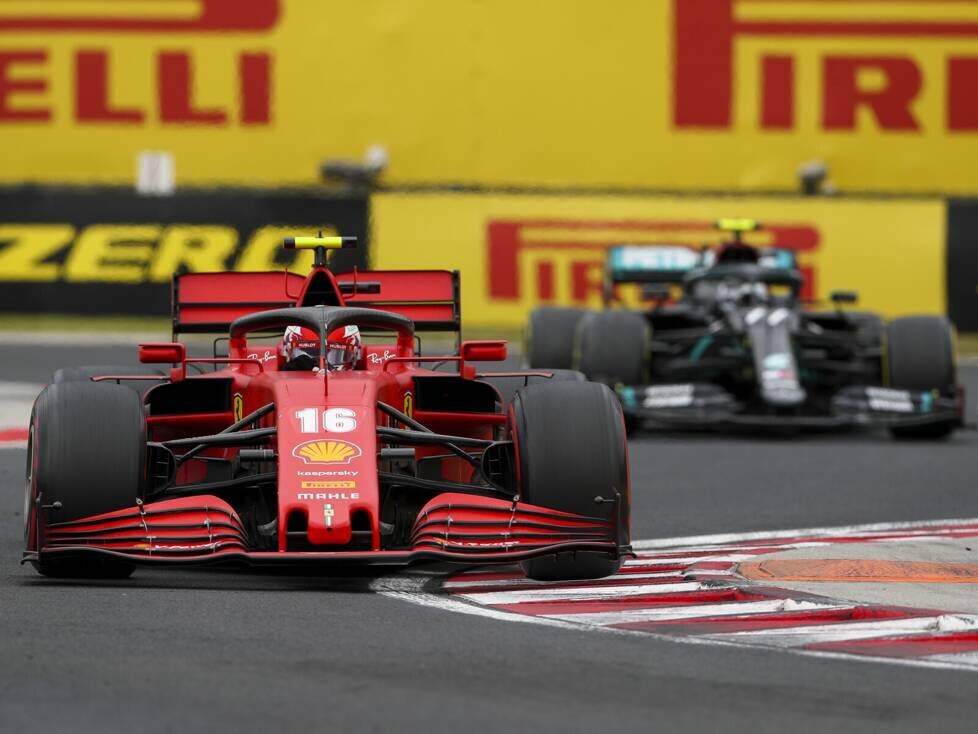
<point>112,251</point>
<point>671,95</point>
<point>517,252</point>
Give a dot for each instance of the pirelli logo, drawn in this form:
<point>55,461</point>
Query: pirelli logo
<point>908,65</point>
<point>329,485</point>
<point>28,74</point>
<point>132,253</point>
<point>562,260</point>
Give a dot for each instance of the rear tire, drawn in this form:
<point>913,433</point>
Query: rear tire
<point>550,337</point>
<point>613,347</point>
<point>571,448</point>
<point>87,451</point>
<point>920,357</point>
<point>86,373</point>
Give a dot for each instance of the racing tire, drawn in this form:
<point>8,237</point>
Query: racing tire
<point>920,356</point>
<point>613,347</point>
<point>571,448</point>
<point>86,451</point>
<point>86,373</point>
<point>507,386</point>
<point>550,337</point>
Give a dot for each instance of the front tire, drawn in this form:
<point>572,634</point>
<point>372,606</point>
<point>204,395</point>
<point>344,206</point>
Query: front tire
<point>920,357</point>
<point>571,449</point>
<point>507,386</point>
<point>87,452</point>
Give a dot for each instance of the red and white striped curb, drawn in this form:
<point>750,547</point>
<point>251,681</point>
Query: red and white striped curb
<point>689,590</point>
<point>16,401</point>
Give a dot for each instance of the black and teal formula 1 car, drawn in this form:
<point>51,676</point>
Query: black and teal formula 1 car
<point>727,341</point>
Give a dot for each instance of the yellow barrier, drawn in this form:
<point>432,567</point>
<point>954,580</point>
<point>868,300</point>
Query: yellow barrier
<point>516,252</point>
<point>670,94</point>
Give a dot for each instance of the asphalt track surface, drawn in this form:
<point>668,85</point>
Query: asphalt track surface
<point>212,651</point>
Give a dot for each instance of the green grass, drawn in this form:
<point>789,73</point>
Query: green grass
<point>72,322</point>
<point>161,324</point>
<point>968,345</point>
<point>967,342</point>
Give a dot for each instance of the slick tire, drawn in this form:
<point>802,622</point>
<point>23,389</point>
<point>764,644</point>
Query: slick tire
<point>86,452</point>
<point>550,337</point>
<point>507,386</point>
<point>613,347</point>
<point>920,356</point>
<point>86,373</point>
<point>571,448</point>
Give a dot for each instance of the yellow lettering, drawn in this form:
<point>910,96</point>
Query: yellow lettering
<point>116,253</point>
<point>266,242</point>
<point>203,248</point>
<point>23,248</point>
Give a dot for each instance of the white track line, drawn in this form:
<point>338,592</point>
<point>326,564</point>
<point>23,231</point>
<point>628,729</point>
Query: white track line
<point>651,562</point>
<point>814,634</point>
<point>957,658</point>
<point>581,593</point>
<point>411,588</point>
<point>701,611</point>
<point>838,531</point>
<point>524,581</point>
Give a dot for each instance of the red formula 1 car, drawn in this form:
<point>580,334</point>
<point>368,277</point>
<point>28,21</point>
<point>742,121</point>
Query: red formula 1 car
<point>283,455</point>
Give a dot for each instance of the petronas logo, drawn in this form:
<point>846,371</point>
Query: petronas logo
<point>326,452</point>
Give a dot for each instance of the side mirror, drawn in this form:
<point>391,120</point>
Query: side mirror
<point>484,350</point>
<point>162,353</point>
<point>841,297</point>
<point>166,353</point>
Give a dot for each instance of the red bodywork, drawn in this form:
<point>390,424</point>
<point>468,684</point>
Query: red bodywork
<point>331,499</point>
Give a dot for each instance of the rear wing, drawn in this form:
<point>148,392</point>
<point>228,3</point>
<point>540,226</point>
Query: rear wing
<point>207,303</point>
<point>651,263</point>
<point>430,298</point>
<point>771,258</point>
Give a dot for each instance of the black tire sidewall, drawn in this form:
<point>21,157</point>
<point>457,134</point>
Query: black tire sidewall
<point>613,347</point>
<point>920,354</point>
<point>90,440</point>
<point>550,337</point>
<point>571,447</point>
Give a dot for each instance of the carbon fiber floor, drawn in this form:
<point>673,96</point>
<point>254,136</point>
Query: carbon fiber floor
<point>208,651</point>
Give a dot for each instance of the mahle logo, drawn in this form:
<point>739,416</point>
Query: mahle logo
<point>880,58</point>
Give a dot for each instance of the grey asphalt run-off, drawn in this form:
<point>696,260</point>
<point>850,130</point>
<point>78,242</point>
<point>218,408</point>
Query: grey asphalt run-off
<point>179,650</point>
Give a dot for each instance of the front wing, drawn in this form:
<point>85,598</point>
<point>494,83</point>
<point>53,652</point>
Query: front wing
<point>453,528</point>
<point>708,405</point>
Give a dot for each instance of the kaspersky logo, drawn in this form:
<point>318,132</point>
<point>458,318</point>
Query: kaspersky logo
<point>562,260</point>
<point>27,73</point>
<point>876,61</point>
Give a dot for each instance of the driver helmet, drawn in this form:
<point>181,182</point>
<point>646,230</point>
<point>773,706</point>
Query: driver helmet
<point>300,347</point>
<point>737,252</point>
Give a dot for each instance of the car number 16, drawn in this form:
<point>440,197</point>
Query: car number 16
<point>335,420</point>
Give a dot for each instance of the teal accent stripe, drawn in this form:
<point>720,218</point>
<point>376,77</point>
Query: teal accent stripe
<point>699,349</point>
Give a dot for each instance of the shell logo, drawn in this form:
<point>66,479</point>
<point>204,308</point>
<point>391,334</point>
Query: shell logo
<point>326,452</point>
